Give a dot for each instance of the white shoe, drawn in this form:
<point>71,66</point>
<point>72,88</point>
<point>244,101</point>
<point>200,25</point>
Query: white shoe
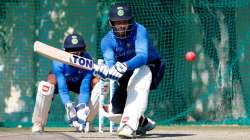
<point>126,132</point>
<point>88,127</point>
<point>74,124</point>
<point>37,128</point>
<point>143,128</point>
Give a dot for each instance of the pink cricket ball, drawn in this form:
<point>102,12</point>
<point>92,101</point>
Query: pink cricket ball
<point>190,56</point>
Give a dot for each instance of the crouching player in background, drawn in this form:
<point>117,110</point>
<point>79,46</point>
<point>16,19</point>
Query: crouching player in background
<point>63,79</point>
<point>130,59</point>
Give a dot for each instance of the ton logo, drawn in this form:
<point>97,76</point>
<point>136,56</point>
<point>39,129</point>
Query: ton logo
<point>84,62</point>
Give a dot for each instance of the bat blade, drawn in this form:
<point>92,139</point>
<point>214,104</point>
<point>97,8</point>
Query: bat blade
<point>62,56</point>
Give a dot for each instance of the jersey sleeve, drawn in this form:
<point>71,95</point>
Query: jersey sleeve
<point>57,68</point>
<point>141,49</point>
<point>107,50</point>
<point>85,88</point>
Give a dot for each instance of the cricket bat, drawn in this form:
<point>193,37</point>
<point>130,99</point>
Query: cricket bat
<point>64,57</point>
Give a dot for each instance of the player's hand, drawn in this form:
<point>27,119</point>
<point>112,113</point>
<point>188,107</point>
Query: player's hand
<point>82,114</point>
<point>71,112</point>
<point>117,71</point>
<point>101,71</point>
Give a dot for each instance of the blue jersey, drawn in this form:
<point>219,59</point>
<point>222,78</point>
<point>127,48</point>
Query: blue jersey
<point>135,51</point>
<point>66,75</point>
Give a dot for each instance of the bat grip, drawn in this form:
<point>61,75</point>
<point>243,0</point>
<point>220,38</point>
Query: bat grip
<point>95,67</point>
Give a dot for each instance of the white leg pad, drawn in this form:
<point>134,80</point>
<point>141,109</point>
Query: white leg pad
<point>137,96</point>
<point>44,96</point>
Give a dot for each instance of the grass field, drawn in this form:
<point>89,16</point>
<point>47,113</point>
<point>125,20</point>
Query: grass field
<point>160,133</point>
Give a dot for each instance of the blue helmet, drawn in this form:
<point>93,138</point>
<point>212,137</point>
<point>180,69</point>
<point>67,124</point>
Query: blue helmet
<point>120,12</point>
<point>74,42</point>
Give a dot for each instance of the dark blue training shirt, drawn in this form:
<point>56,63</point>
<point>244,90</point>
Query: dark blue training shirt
<point>72,75</point>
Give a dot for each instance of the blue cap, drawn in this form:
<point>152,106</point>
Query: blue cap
<point>120,12</point>
<point>74,42</point>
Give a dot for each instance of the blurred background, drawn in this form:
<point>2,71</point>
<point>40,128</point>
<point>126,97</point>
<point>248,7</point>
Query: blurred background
<point>214,89</point>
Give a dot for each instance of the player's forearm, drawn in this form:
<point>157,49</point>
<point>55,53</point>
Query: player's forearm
<point>85,89</point>
<point>108,56</point>
<point>136,62</point>
<point>65,98</point>
<point>84,98</point>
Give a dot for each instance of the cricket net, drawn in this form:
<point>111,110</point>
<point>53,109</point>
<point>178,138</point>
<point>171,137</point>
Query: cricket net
<point>211,90</point>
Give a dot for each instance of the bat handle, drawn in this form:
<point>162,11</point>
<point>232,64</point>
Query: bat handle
<point>99,62</point>
<point>96,67</point>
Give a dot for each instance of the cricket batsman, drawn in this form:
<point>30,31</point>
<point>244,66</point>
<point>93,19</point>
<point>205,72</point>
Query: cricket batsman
<point>62,79</point>
<point>131,59</point>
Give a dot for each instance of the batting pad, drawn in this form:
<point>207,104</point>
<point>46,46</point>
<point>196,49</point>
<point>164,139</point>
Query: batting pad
<point>137,96</point>
<point>44,96</point>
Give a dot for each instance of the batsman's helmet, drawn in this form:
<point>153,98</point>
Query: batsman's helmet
<point>74,42</point>
<point>121,12</point>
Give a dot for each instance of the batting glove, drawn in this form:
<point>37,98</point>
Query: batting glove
<point>71,113</point>
<point>101,71</point>
<point>117,71</point>
<point>82,114</point>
